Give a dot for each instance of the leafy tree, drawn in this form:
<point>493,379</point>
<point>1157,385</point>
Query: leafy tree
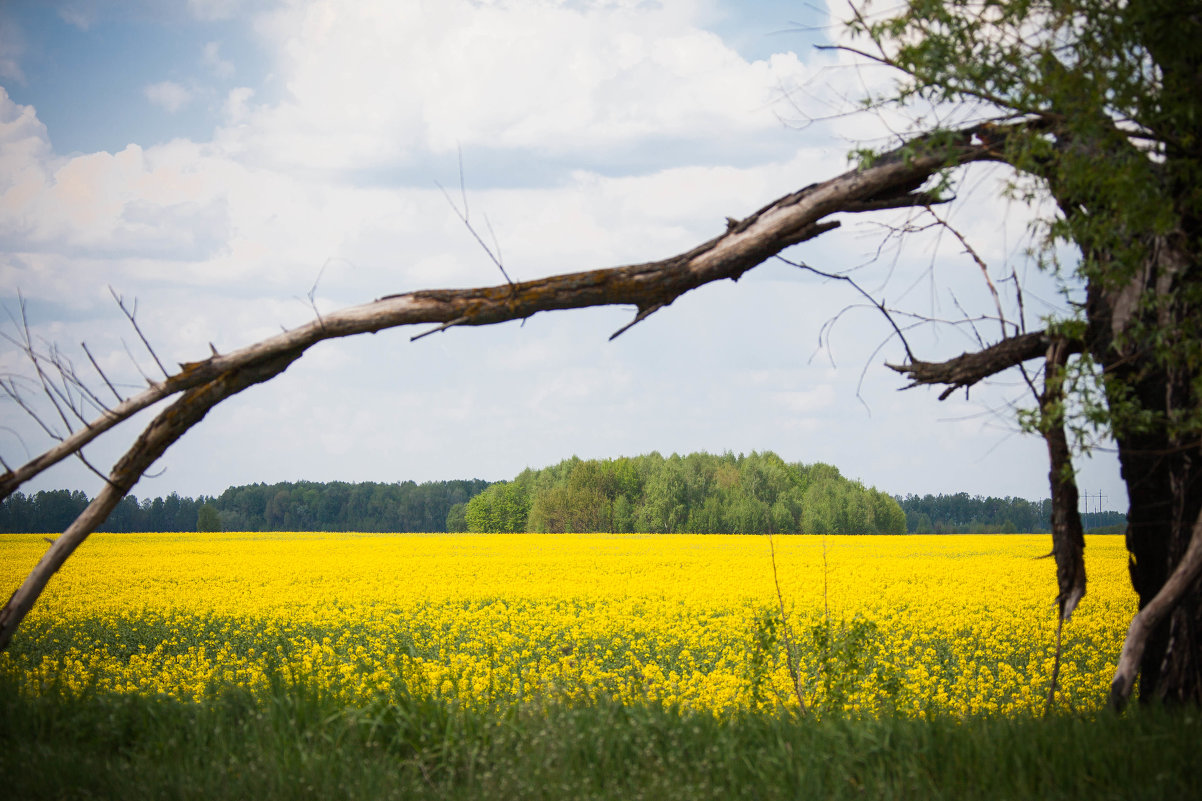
<point>503,507</point>
<point>208,518</point>
<point>457,518</point>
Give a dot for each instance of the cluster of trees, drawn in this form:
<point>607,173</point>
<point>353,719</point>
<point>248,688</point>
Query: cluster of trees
<point>287,506</point>
<point>965,514</point>
<point>700,493</point>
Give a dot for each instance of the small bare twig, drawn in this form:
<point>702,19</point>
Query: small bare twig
<point>494,253</point>
<point>878,304</point>
<point>131,315</point>
<point>102,375</point>
<point>643,314</point>
<point>972,253</point>
<point>436,329</point>
<point>1051,699</point>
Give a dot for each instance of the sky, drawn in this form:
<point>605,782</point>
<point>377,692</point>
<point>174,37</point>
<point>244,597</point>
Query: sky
<point>235,167</point>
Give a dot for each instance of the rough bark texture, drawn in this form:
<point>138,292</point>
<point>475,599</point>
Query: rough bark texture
<point>1162,469</point>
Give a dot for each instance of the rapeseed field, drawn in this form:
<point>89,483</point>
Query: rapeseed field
<point>909,626</point>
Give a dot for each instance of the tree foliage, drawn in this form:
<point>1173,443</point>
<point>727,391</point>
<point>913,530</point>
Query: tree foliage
<point>700,493</point>
<point>286,506</point>
<point>961,513</point>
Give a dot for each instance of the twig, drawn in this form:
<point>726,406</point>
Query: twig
<point>465,217</point>
<point>1047,710</point>
<point>876,303</point>
<point>131,315</point>
<point>103,377</point>
<point>997,301</point>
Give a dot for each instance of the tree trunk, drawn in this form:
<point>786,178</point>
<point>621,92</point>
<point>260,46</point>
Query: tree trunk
<point>1136,335</point>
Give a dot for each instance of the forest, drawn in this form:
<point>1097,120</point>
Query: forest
<point>964,514</point>
<point>700,493</point>
<point>286,506</point>
<point>697,493</point>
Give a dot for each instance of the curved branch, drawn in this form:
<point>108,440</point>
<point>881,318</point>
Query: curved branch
<point>794,218</point>
<point>171,424</point>
<point>892,181</point>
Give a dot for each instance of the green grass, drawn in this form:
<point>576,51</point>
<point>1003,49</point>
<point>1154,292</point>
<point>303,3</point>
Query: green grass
<point>297,743</point>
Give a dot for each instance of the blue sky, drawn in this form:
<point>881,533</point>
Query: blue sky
<point>215,158</point>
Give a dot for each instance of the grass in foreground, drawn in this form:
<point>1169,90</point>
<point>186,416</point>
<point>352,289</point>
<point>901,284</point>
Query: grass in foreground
<point>296,743</point>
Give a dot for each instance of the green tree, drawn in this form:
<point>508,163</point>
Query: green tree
<point>208,518</point>
<point>457,518</point>
<point>503,507</point>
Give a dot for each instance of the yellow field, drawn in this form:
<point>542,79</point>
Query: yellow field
<point>909,625</point>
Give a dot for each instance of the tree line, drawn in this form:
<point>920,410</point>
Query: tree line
<point>699,493</point>
<point>286,506</point>
<point>965,514</point>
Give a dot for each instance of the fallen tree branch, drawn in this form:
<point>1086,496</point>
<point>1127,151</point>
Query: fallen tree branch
<point>892,181</point>
<point>787,221</point>
<point>170,424</point>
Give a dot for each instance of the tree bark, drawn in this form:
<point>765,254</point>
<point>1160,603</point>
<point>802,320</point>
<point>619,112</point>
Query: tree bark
<point>1068,536</point>
<point>1161,467</point>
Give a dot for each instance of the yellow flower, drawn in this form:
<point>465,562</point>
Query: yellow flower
<point>876,624</point>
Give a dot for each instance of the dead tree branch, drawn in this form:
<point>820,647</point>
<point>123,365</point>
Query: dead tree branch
<point>1068,535</point>
<point>787,221</point>
<point>892,181</point>
<point>967,369</point>
<point>165,429</point>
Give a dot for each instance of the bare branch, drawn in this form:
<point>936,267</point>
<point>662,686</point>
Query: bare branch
<point>1068,537</point>
<point>465,217</point>
<point>794,218</point>
<point>165,429</point>
<point>967,369</point>
<point>102,375</point>
<point>787,221</point>
<point>997,301</point>
<point>132,316</point>
<point>879,304</point>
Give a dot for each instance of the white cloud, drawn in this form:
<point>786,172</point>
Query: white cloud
<point>168,95</point>
<point>211,58</point>
<point>374,83</point>
<point>807,401</point>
